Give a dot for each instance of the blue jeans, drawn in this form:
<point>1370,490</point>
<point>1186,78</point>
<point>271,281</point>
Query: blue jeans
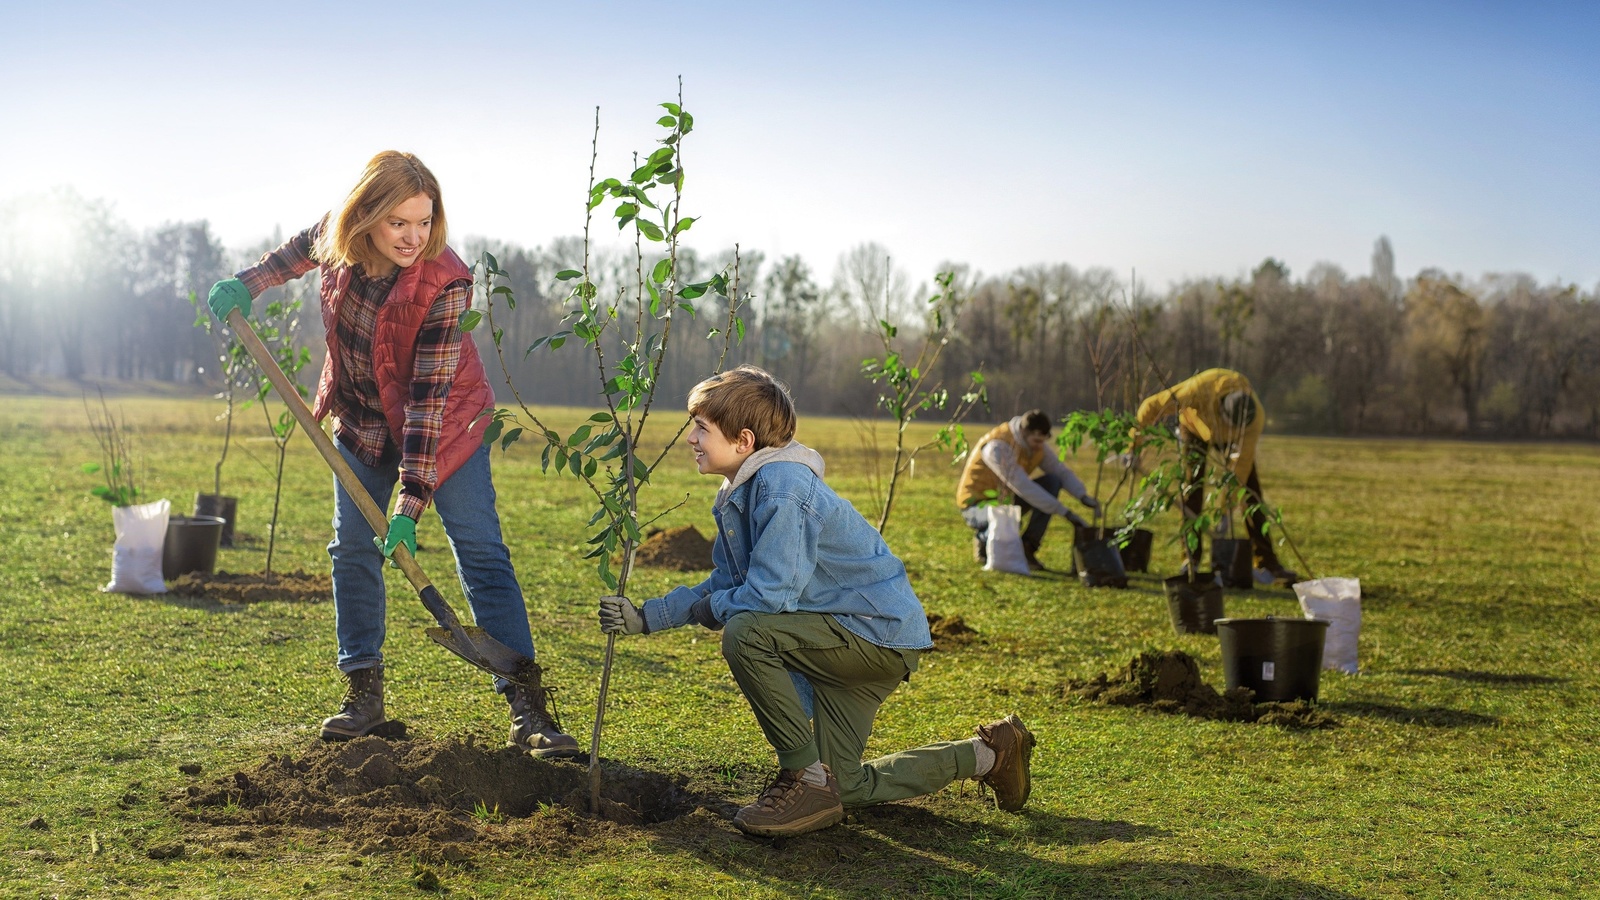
<point>465,503</point>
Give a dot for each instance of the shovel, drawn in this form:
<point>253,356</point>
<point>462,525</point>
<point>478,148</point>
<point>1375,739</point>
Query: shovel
<point>469,642</point>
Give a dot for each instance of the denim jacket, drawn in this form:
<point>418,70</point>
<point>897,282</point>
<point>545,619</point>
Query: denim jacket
<point>787,543</point>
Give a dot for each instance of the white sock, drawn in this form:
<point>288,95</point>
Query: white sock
<point>813,774</point>
<point>985,756</point>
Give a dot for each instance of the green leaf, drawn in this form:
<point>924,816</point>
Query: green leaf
<point>568,274</point>
<point>493,431</point>
<point>470,319</point>
<point>663,270</point>
<point>600,417</point>
<point>673,108</point>
<point>510,438</point>
<point>692,291</point>
<point>667,122</point>
<point>651,230</point>
<point>738,326</point>
<point>683,225</point>
<point>90,468</point>
<point>685,123</point>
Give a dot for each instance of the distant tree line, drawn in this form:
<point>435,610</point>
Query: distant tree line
<point>83,296</point>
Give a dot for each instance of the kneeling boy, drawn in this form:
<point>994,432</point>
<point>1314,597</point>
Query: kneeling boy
<point>820,623</point>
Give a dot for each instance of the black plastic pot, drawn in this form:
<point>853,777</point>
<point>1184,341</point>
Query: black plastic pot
<point>1194,605</point>
<point>190,546</point>
<point>1279,659</point>
<point>1136,553</point>
<point>1099,563</point>
<point>224,508</point>
<point>1234,561</point>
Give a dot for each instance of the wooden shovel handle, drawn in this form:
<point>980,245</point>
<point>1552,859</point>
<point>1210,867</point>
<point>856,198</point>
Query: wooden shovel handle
<point>341,469</point>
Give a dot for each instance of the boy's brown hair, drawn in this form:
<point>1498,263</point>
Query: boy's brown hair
<point>746,397</point>
<point>390,179</point>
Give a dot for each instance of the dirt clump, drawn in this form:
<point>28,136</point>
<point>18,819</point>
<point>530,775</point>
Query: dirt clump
<point>681,549</point>
<point>1169,681</point>
<point>440,800</point>
<point>950,632</point>
<point>254,587</point>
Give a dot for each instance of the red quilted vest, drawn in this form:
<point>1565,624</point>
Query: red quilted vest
<point>394,351</point>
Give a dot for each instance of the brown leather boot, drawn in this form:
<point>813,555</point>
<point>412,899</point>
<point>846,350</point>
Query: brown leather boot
<point>1011,776</point>
<point>533,727</point>
<point>362,707</point>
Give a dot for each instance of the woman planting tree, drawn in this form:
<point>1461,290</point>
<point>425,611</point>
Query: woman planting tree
<point>406,391</point>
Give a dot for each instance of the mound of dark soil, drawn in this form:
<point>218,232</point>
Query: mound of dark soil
<point>439,800</point>
<point>950,632</point>
<point>681,549</point>
<point>1169,681</point>
<point>255,587</point>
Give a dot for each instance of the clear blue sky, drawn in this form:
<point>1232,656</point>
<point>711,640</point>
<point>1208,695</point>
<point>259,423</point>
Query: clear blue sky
<point>1178,139</point>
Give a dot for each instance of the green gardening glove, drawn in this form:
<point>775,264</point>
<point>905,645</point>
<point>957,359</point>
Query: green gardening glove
<point>402,530</point>
<point>227,296</point>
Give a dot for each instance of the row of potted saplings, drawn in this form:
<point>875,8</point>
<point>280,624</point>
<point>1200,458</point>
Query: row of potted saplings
<point>1279,658</point>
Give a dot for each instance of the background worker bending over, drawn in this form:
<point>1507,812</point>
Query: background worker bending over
<point>1217,409</point>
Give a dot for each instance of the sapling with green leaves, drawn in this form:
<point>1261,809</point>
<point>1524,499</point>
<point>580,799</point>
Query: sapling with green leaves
<point>628,336</point>
<point>233,367</point>
<point>278,326</point>
<point>909,388</point>
<point>116,465</point>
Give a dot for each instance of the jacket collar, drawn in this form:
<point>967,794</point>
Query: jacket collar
<point>794,451</point>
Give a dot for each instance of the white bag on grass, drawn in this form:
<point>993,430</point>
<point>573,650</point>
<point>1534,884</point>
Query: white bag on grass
<point>1336,601</point>
<point>136,556</point>
<point>1004,544</point>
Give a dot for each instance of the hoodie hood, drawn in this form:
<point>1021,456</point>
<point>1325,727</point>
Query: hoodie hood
<point>794,451</point>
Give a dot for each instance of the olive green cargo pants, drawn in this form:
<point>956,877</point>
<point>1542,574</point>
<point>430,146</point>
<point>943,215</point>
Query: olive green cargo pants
<point>850,678</point>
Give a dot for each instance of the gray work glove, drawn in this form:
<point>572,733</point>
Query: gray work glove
<point>1090,502</point>
<point>618,615</point>
<point>1074,519</point>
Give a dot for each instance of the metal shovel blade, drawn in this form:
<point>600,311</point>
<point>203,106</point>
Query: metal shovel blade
<point>474,645</point>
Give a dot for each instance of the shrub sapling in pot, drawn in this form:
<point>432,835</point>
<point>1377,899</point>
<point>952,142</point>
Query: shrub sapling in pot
<point>233,368</point>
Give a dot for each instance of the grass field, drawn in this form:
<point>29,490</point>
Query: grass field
<point>1464,765</point>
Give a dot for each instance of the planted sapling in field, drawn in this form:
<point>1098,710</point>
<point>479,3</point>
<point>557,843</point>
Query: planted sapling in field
<point>628,335</point>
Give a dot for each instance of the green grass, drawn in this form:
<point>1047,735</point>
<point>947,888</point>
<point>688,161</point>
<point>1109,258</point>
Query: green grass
<point>1465,764</point>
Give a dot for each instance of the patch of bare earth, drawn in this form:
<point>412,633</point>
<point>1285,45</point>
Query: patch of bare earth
<point>440,800</point>
<point>1169,681</point>
<point>254,587</point>
<point>950,632</point>
<point>681,549</point>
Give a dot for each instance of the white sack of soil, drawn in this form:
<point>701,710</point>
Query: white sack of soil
<point>1005,541</point>
<point>136,556</point>
<point>1336,601</point>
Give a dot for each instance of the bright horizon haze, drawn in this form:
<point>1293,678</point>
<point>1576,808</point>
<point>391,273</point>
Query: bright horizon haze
<point>1175,140</point>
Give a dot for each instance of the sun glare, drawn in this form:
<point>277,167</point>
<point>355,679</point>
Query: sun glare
<point>39,233</point>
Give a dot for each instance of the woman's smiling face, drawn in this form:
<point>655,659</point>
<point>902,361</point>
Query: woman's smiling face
<point>403,233</point>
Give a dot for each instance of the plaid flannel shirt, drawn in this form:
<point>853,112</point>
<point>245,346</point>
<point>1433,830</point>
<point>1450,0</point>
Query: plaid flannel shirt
<point>360,423</point>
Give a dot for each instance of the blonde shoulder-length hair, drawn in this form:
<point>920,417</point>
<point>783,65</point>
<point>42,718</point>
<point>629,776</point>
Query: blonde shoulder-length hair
<point>391,178</point>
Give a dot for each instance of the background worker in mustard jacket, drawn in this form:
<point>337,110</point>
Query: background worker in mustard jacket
<point>999,470</point>
<point>1218,410</point>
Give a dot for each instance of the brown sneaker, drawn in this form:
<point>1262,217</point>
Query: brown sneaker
<point>533,727</point>
<point>792,806</point>
<point>1012,744</point>
<point>362,707</point>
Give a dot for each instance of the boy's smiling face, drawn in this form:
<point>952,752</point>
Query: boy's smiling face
<point>714,453</point>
